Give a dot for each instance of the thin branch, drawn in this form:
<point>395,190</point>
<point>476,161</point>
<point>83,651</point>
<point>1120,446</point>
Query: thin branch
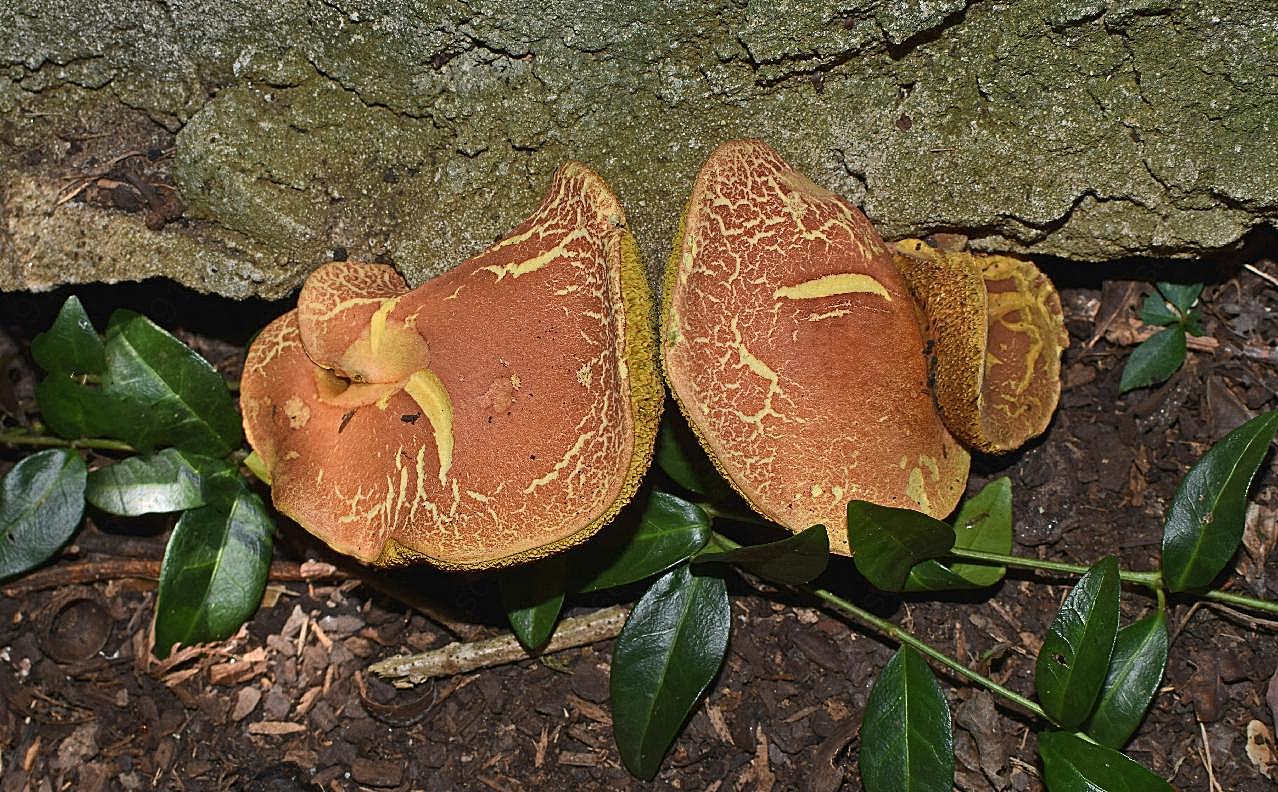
<point>1150,580</point>
<point>1258,272</point>
<point>20,438</point>
<point>902,636</point>
<point>458,658</point>
<point>1217,603</point>
<point>83,572</point>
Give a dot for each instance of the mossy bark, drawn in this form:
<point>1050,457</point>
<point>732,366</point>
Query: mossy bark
<point>416,133</point>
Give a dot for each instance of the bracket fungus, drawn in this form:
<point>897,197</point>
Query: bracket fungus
<point>798,353</point>
<point>997,333</point>
<point>498,413</point>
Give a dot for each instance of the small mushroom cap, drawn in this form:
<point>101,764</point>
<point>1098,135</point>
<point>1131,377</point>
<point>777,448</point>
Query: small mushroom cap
<point>796,352</point>
<point>997,334</point>
<point>335,313</point>
<point>507,410</point>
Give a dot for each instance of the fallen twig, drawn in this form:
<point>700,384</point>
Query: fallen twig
<point>1206,344</point>
<point>83,572</point>
<point>1251,621</point>
<point>441,613</point>
<point>1258,272</point>
<point>457,658</point>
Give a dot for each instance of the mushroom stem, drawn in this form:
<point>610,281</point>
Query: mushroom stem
<point>458,658</point>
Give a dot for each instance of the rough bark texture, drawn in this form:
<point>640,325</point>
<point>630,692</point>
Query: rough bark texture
<point>416,132</point>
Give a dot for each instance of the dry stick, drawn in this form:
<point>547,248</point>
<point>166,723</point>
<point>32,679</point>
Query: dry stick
<point>84,572</point>
<point>24,438</point>
<point>1212,783</point>
<point>1251,621</point>
<point>457,658</point>
<point>1258,272</point>
<point>1210,345</point>
<point>448,617</point>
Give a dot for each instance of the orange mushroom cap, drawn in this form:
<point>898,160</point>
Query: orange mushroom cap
<point>498,413</point>
<point>796,352</point>
<point>997,334</point>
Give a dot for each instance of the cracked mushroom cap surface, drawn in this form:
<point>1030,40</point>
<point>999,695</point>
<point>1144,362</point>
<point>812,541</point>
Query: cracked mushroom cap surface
<point>796,352</point>
<point>997,334</point>
<point>496,414</point>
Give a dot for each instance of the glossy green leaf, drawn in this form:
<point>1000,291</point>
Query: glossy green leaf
<point>257,466</point>
<point>1072,764</point>
<point>70,345</point>
<point>1074,659</point>
<point>1135,672</point>
<point>178,398</point>
<point>74,410</point>
<point>907,742</point>
<point>1156,312</point>
<point>41,503</point>
<point>214,570</point>
<point>1194,323</point>
<point>1206,517</point>
<point>167,481</point>
<point>794,560</point>
<point>671,647</point>
<point>533,596</point>
<point>1181,295</point>
<point>670,530</point>
<point>984,523</point>
<point>680,455</point>
<point>1157,358</point>
<point>888,542</point>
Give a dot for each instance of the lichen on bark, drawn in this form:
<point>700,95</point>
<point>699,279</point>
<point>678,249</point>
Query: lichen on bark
<point>414,133</point>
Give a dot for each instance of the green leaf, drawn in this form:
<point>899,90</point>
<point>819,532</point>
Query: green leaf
<point>1074,660</point>
<point>984,523</point>
<point>888,542</point>
<point>533,596</point>
<point>1135,671</point>
<point>1072,764</point>
<point>681,456</point>
<point>670,530</point>
<point>178,399</point>
<point>214,570</point>
<point>73,410</point>
<point>70,345</point>
<point>671,647</point>
<point>1194,323</point>
<point>907,744</point>
<point>1206,517</point>
<point>794,560</point>
<point>1155,311</point>
<point>1156,359</point>
<point>167,481</point>
<point>257,466</point>
<point>1181,295</point>
<point>41,503</point>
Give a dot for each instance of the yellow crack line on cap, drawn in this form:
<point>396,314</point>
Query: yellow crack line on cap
<point>830,285</point>
<point>517,268</point>
<point>430,394</point>
<point>377,325</point>
<point>343,305</point>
